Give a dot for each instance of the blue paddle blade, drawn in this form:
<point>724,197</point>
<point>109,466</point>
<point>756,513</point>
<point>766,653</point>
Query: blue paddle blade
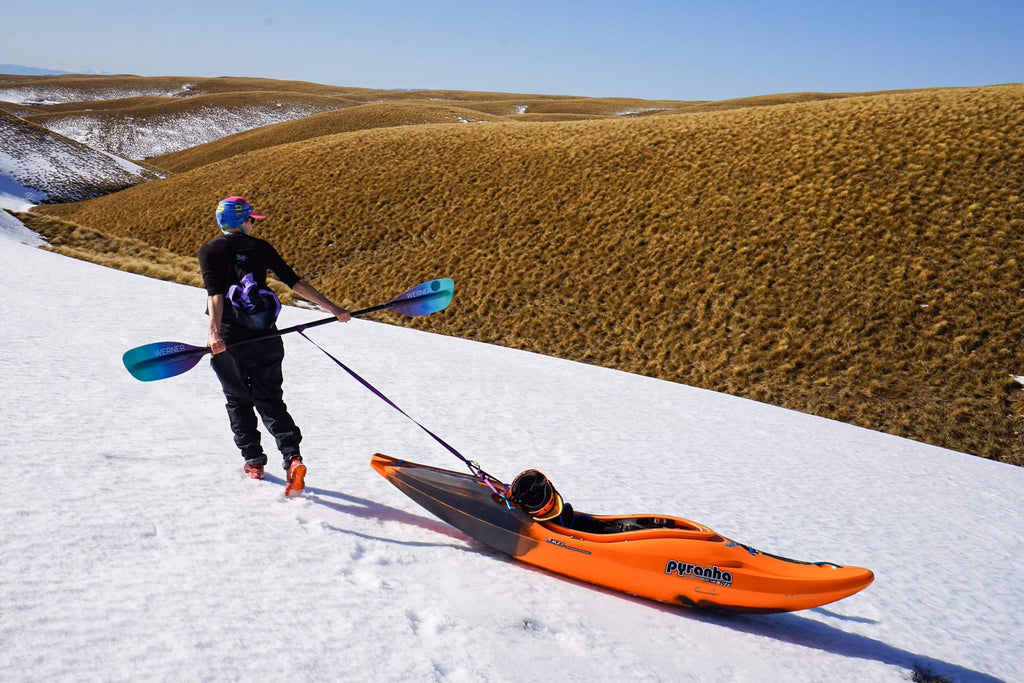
<point>430,297</point>
<point>161,360</point>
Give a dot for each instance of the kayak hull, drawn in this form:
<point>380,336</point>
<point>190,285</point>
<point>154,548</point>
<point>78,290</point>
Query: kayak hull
<point>668,559</point>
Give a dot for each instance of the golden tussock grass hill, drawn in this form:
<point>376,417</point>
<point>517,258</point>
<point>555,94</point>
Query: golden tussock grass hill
<point>126,103</point>
<point>411,109</point>
<point>82,88</point>
<point>581,107</point>
<point>856,258</point>
<point>143,108</point>
<point>144,126</point>
<point>364,117</point>
<point>123,253</point>
<point>47,99</point>
<point>442,107</point>
<point>463,96</point>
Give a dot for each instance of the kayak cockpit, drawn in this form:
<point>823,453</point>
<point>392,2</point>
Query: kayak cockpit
<point>645,526</point>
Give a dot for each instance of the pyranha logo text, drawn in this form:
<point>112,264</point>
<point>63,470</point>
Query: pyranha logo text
<point>708,574</point>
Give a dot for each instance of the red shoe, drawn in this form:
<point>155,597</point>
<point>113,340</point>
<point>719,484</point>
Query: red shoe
<point>296,478</point>
<point>253,471</point>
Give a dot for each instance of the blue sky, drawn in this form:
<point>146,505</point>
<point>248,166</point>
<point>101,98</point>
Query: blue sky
<point>631,48</point>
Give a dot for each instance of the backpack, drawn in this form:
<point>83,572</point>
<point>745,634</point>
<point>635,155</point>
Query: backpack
<point>253,306</point>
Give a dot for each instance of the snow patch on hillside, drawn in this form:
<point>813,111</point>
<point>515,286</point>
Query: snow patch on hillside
<point>13,194</point>
<point>38,165</point>
<point>51,94</point>
<point>463,119</point>
<point>636,111</point>
<point>141,138</point>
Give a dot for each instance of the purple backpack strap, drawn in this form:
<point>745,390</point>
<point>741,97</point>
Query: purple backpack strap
<point>241,295</point>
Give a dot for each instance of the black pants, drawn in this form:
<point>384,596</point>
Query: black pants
<point>250,375</point>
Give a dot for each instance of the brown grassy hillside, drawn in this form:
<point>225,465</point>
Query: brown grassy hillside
<point>355,118</point>
<point>856,258</point>
<point>144,108</point>
<point>95,105</point>
<point>39,95</point>
<point>578,106</point>
<point>125,253</point>
<point>101,86</point>
<point>464,96</point>
<point>418,110</point>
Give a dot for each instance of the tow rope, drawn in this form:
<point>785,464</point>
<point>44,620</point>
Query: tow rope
<point>473,466</point>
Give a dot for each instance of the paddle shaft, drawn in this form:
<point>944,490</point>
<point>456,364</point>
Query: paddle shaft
<point>315,323</point>
<point>161,360</point>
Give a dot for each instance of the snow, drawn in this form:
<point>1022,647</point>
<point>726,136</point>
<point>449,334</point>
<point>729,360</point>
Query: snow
<point>53,161</point>
<point>166,133</point>
<point>14,195</point>
<point>131,548</point>
<point>125,164</point>
<point>14,230</point>
<point>41,94</point>
<point>37,165</point>
<point>634,111</point>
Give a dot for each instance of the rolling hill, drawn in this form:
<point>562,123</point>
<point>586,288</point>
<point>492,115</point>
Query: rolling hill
<point>155,126</point>
<point>364,117</point>
<point>38,165</point>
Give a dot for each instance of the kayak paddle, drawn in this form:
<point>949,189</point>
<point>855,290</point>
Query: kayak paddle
<point>161,360</point>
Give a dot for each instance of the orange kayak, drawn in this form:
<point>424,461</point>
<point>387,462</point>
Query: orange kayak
<point>663,558</point>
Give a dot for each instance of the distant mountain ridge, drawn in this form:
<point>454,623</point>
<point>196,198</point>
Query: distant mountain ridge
<point>20,70</point>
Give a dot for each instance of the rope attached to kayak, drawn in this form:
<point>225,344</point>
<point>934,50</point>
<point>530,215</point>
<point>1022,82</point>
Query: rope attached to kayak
<point>473,466</point>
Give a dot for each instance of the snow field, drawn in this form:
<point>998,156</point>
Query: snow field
<point>133,548</point>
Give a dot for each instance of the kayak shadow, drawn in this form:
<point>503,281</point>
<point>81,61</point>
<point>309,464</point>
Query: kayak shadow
<point>798,630</point>
<point>369,509</point>
<point>843,617</point>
